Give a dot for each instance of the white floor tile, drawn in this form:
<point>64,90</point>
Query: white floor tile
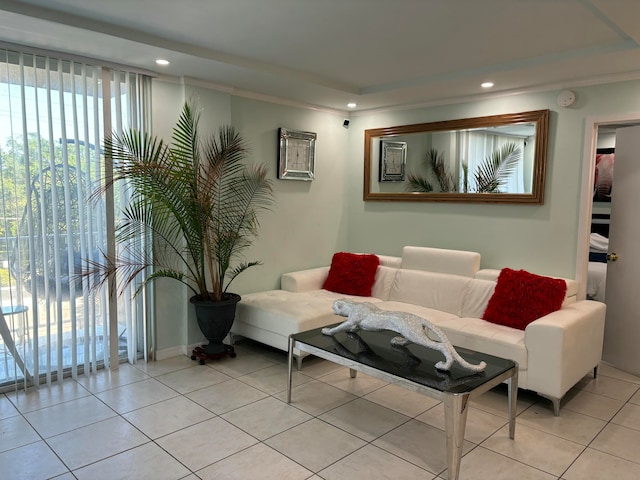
<point>35,461</point>
<point>205,443</point>
<point>241,365</point>
<point>46,396</point>
<point>136,395</point>
<point>145,461</point>
<point>266,418</point>
<point>483,464</point>
<point>361,385</point>
<point>535,448</point>
<point>496,402</point>
<point>591,404</point>
<point>401,400</point>
<point>81,447</point>
<point>176,419</point>
<point>226,396</point>
<point>165,366</point>
<point>106,379</point>
<point>420,444</point>
<point>611,371</point>
<point>317,397</point>
<point>7,408</point>
<point>168,416</point>
<point>371,462</point>
<point>245,465</point>
<point>190,379</point>
<point>364,419</point>
<point>611,387</point>
<point>273,379</point>
<point>15,432</point>
<point>620,441</point>
<point>629,416</point>
<point>569,425</point>
<point>68,416</point>
<point>595,465</point>
<point>304,443</point>
<point>480,424</point>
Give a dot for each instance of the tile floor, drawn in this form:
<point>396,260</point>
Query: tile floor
<point>229,419</point>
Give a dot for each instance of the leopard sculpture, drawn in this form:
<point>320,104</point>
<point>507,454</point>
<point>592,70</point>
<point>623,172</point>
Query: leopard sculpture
<point>412,329</point>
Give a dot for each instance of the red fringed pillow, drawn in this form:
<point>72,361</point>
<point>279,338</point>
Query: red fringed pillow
<point>521,297</point>
<point>352,273</point>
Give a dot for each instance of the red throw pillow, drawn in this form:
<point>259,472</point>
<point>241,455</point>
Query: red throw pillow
<point>521,297</point>
<point>352,273</point>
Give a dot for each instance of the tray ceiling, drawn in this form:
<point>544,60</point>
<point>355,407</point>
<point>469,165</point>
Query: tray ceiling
<point>377,53</point>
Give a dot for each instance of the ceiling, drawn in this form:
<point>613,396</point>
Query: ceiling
<point>378,53</point>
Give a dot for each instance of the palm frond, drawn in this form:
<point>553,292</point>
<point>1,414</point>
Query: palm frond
<point>197,199</point>
<point>496,168</point>
<point>416,183</point>
<point>440,169</point>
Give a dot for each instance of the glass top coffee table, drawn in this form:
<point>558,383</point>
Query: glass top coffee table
<point>413,367</point>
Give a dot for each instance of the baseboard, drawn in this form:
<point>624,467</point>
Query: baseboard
<point>171,352</point>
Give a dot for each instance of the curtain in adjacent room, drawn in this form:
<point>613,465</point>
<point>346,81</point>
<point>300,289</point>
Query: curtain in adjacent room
<point>54,116</point>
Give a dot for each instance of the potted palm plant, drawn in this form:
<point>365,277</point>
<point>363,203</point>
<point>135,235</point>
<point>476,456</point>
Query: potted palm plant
<point>199,203</point>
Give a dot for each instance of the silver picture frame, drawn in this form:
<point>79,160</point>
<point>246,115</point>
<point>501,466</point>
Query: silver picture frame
<point>296,155</point>
<point>393,161</point>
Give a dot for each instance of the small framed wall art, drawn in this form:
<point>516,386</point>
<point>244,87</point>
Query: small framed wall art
<point>393,161</point>
<point>296,155</point>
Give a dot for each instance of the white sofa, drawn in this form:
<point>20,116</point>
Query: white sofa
<point>448,288</point>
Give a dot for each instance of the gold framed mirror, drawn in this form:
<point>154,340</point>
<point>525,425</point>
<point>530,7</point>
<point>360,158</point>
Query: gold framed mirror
<point>493,159</point>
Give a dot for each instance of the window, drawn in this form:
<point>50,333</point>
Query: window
<point>54,115</point>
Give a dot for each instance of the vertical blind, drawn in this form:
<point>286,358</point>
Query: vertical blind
<point>54,116</point>
<point>475,147</point>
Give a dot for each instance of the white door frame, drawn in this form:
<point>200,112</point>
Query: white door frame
<point>586,195</point>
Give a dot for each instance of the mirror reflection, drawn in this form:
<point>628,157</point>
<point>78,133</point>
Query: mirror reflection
<point>486,159</point>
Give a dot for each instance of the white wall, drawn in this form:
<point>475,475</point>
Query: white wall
<point>540,238</point>
<point>312,220</point>
<point>307,223</point>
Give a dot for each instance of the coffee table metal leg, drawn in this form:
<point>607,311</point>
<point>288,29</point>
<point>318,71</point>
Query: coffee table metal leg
<point>290,369</point>
<point>513,402</point>
<point>455,419</point>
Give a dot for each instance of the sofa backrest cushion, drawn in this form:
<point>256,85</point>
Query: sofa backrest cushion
<point>429,289</point>
<point>388,261</point>
<point>454,262</point>
<point>477,298</point>
<point>384,281</point>
<point>521,297</point>
<point>352,273</point>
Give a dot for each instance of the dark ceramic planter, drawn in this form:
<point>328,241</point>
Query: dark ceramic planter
<point>215,320</point>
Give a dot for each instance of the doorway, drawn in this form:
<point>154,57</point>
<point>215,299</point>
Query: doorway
<point>619,324</point>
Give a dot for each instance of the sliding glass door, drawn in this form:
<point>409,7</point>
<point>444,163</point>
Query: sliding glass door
<point>54,116</point>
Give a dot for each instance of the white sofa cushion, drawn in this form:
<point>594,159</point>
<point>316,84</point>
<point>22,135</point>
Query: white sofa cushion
<point>482,336</point>
<point>304,280</point>
<point>434,316</point>
<point>283,311</point>
<point>383,283</point>
<point>477,297</point>
<point>388,261</point>
<point>455,262</point>
<point>427,289</point>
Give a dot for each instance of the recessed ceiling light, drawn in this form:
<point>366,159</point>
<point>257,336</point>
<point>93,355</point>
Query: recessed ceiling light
<point>486,84</point>
<point>352,105</point>
<point>161,61</point>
